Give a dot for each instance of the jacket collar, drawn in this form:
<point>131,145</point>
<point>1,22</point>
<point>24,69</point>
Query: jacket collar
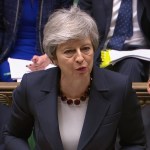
<point>96,110</point>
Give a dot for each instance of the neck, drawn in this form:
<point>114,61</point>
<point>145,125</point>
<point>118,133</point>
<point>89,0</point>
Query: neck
<point>74,88</point>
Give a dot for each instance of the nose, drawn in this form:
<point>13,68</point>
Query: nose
<point>79,57</point>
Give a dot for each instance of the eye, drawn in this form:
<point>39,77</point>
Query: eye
<point>86,49</point>
<point>69,52</point>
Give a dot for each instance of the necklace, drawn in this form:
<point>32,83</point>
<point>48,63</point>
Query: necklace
<point>77,101</point>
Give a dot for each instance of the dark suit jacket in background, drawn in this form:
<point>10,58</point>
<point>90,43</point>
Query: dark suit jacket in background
<point>4,115</point>
<point>101,11</point>
<point>112,104</point>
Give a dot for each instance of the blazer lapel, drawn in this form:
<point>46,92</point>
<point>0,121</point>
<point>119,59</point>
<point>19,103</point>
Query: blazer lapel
<point>97,108</point>
<point>47,112</point>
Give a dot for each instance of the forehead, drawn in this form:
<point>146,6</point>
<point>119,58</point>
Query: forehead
<point>75,42</point>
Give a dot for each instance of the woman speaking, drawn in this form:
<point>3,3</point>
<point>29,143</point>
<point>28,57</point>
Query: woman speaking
<point>76,105</point>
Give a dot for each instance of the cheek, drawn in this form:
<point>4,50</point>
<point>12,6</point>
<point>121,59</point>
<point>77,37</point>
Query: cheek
<point>64,64</point>
<point>90,62</point>
<point>90,65</point>
<point>90,59</point>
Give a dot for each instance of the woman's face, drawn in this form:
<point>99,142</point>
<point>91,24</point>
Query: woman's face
<point>75,58</point>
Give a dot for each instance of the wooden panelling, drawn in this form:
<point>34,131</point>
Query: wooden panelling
<point>6,89</point>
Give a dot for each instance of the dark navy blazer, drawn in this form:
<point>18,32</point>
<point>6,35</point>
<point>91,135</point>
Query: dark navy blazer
<point>112,106</point>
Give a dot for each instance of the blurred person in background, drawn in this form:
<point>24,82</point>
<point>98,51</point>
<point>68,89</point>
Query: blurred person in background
<point>21,32</point>
<point>123,26</point>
